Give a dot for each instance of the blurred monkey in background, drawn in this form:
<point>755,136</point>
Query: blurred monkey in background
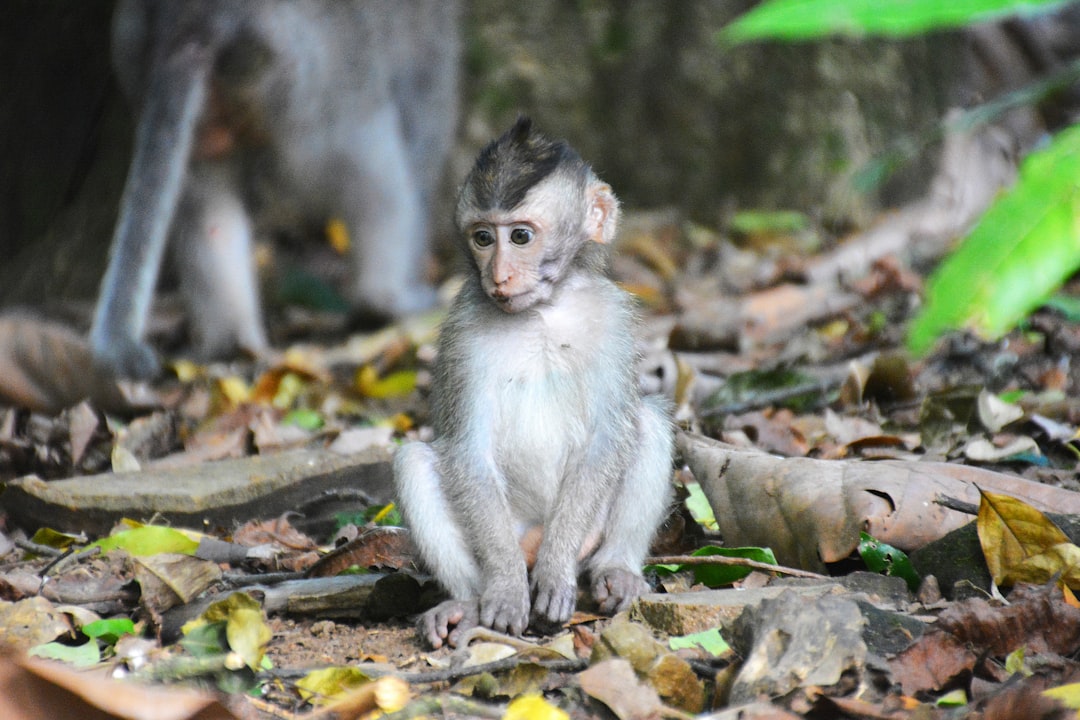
<point>249,112</point>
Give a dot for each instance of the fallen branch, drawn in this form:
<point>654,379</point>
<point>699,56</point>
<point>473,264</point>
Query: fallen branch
<point>724,560</point>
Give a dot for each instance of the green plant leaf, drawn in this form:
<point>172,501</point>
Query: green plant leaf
<point>720,575</point>
<point>110,630</point>
<point>711,641</point>
<point>804,19</point>
<point>149,540</point>
<point>883,558</point>
<point>1023,248</point>
<point>83,655</point>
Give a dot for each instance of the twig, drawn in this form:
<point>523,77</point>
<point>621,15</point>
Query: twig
<point>819,389</point>
<point>724,560</point>
<point>37,549</point>
<point>957,504</point>
<point>447,674</point>
<point>446,704</point>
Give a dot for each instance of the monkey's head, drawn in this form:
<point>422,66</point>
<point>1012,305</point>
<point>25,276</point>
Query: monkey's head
<point>530,210</point>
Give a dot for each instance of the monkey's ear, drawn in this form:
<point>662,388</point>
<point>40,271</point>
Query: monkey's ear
<point>602,215</point>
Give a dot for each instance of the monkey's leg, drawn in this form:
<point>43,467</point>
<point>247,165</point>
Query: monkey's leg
<point>437,536</point>
<point>163,143</point>
<point>637,510</point>
<point>212,245</point>
<point>387,223</point>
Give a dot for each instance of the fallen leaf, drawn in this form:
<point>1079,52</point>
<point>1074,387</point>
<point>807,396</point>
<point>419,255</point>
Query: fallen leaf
<point>533,707</point>
<point>614,683</point>
<point>810,512</point>
<point>1021,544</point>
<point>39,690</point>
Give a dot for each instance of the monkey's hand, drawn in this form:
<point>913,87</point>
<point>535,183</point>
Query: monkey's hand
<point>614,588</point>
<point>554,592</point>
<point>435,624</point>
<point>124,357</point>
<point>504,605</point>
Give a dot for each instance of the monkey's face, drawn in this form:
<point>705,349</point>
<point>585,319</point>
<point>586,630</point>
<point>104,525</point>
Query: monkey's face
<point>522,253</point>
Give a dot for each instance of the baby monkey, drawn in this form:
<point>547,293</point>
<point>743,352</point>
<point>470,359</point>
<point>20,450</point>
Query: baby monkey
<point>546,458</point>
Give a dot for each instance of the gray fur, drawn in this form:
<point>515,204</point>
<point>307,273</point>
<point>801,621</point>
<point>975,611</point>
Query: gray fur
<point>538,421</point>
<point>335,109</point>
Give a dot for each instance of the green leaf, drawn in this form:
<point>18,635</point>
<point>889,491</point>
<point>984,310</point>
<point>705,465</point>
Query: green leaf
<point>304,418</point>
<point>804,19</point>
<point>1067,305</point>
<point>149,540</point>
<point>1023,248</point>
<point>719,575</point>
<point>206,639</point>
<point>83,655</point>
<point>954,698</point>
<point>708,640</point>
<point>109,631</point>
<point>699,506</point>
<point>883,558</point>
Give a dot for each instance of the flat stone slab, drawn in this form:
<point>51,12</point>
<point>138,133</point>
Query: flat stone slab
<point>223,493</point>
<point>699,610</point>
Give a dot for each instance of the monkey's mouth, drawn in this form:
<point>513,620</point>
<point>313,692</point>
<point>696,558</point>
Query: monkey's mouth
<point>513,303</point>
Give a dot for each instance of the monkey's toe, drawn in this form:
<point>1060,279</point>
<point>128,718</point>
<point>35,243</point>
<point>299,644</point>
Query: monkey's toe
<point>125,359</point>
<point>505,610</point>
<point>461,615</point>
<point>555,602</point>
<point>615,588</point>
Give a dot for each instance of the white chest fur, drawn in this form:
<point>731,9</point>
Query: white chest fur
<point>537,375</point>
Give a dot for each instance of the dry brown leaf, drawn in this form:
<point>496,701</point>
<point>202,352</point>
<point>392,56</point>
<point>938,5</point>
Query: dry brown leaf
<point>46,366</point>
<point>38,690</point>
<point>1038,619</point>
<point>387,547</point>
<point>614,683</point>
<point>810,512</point>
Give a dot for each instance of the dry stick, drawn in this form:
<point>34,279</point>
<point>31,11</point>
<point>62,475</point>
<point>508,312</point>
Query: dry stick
<point>724,560</point>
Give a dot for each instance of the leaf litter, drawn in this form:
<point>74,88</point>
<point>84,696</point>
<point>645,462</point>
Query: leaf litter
<point>801,425</point>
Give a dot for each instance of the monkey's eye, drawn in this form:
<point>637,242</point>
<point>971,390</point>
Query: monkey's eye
<point>483,238</point>
<point>521,236</point>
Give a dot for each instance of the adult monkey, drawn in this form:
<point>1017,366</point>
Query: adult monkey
<point>540,429</point>
<point>250,112</point>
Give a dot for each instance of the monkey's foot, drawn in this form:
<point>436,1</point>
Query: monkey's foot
<point>461,615</point>
<point>124,358</point>
<point>615,588</point>
<point>504,606</point>
<point>555,600</point>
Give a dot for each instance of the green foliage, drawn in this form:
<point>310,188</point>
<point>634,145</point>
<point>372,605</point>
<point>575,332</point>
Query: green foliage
<point>1023,248</point>
<point>715,576</point>
<point>711,641</point>
<point>805,19</point>
<point>883,558</point>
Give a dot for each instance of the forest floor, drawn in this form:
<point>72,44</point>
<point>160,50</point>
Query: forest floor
<point>781,344</point>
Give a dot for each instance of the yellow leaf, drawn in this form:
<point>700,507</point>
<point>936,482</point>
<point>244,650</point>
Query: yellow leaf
<point>397,384</point>
<point>533,707</point>
<point>1011,532</point>
<point>186,371</point>
<point>330,682</point>
<point>1067,695</point>
<point>1063,558</point>
<point>233,389</point>
<point>248,634</point>
<point>337,234</point>
<point>401,422</point>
